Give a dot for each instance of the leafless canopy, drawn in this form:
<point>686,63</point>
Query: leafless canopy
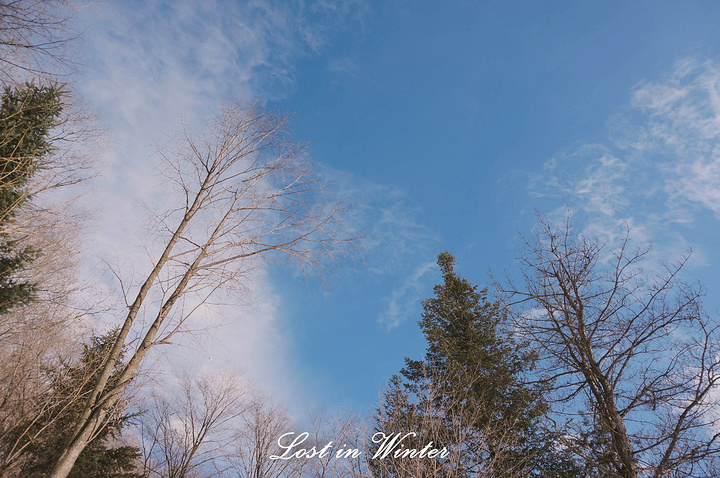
<point>243,191</point>
<point>187,434</point>
<point>221,427</point>
<point>38,336</point>
<point>255,441</point>
<point>34,36</point>
<point>633,356</point>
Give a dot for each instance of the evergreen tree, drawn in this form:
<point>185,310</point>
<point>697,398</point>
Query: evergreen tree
<point>45,438</point>
<point>27,115</point>
<point>469,393</point>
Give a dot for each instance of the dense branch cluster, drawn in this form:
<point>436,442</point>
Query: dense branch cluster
<point>634,356</point>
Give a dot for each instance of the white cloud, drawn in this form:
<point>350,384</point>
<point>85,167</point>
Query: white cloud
<point>243,335</point>
<point>682,134</point>
<point>396,246</point>
<point>404,300</point>
<point>342,66</point>
<point>603,186</point>
<point>149,64</point>
<point>659,171</point>
<point>393,236</point>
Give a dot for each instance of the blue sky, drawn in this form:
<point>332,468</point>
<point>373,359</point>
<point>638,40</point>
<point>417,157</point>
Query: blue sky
<point>442,125</point>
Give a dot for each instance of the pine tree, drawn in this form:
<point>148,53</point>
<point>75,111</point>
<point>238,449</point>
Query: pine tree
<point>27,115</point>
<point>469,392</point>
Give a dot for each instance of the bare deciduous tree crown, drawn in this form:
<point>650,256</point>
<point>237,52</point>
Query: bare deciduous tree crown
<point>633,356</point>
<point>245,192</point>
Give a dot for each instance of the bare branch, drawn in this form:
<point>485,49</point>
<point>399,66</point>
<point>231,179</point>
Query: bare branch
<point>247,193</point>
<point>633,354</point>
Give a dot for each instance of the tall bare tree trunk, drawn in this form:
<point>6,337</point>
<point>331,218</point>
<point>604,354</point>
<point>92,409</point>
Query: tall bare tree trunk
<point>247,191</point>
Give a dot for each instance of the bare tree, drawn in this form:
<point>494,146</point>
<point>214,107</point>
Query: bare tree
<point>266,422</point>
<point>33,431</point>
<point>186,435</point>
<point>33,340</point>
<point>633,356</point>
<point>34,38</point>
<point>244,192</point>
<point>41,337</point>
<point>256,441</point>
<point>216,427</point>
<point>347,433</point>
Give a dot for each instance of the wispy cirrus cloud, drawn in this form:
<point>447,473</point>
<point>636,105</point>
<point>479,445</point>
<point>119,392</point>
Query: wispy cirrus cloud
<point>151,64</point>
<point>659,172</point>
<point>404,299</point>
<point>683,134</point>
<point>397,247</point>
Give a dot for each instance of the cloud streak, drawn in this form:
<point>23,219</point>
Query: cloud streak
<point>404,300</point>
<point>397,247</point>
<point>659,171</point>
